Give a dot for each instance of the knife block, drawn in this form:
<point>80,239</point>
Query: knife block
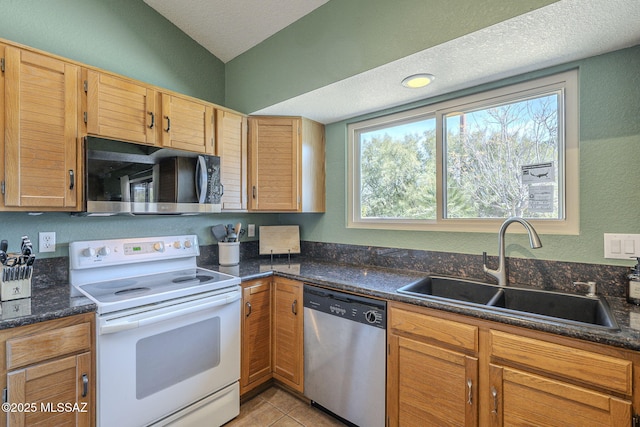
<point>11,288</point>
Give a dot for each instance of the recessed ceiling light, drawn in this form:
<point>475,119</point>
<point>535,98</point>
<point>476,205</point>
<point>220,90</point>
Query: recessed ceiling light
<point>418,80</point>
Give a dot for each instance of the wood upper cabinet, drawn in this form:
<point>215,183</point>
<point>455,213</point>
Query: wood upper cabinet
<point>119,108</point>
<point>287,166</point>
<point>256,334</point>
<point>41,161</point>
<point>231,144</point>
<point>288,314</point>
<point>187,124</point>
<point>431,381</point>
<point>448,369</point>
<point>49,368</point>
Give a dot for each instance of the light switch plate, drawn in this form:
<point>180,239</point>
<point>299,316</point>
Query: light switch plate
<point>621,246</point>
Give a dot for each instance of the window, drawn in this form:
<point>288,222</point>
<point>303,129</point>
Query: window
<point>469,163</point>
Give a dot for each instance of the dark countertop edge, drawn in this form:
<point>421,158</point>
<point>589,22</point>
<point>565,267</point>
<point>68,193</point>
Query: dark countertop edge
<point>627,337</point>
<point>84,306</point>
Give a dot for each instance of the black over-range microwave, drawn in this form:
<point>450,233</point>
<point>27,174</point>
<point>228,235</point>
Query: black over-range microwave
<point>124,178</point>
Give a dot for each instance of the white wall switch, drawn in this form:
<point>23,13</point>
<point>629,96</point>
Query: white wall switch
<point>251,230</point>
<point>621,246</point>
<point>47,241</point>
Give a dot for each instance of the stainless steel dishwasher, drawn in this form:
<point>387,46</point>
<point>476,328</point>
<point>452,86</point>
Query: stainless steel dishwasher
<point>344,355</point>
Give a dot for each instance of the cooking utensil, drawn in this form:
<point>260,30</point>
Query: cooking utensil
<point>237,229</point>
<point>219,232</point>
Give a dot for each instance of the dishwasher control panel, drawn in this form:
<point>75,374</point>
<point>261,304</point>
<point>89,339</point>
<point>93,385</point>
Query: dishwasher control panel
<point>351,307</point>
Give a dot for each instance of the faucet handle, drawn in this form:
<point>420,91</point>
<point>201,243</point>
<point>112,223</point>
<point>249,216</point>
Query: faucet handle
<point>592,288</point>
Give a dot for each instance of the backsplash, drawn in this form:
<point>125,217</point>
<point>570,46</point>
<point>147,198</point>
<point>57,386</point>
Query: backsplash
<point>543,274</point>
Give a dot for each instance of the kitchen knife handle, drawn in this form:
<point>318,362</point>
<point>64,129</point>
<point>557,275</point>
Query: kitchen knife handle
<point>85,385</point>
<point>153,120</point>
<point>168,124</point>
<point>72,179</point>
<point>249,307</point>
<point>294,307</point>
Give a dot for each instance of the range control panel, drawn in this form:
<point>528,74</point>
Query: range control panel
<point>355,308</point>
<point>97,253</point>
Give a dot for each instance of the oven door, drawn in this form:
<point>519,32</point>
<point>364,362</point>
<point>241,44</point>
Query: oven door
<point>156,362</point>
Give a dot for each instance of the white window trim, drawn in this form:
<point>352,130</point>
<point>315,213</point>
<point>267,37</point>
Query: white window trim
<point>570,225</point>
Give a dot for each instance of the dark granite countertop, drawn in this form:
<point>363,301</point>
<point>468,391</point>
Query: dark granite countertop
<point>384,283</point>
<point>48,301</point>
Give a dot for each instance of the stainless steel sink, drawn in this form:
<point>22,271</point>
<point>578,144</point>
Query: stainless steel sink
<point>544,305</point>
<point>451,288</point>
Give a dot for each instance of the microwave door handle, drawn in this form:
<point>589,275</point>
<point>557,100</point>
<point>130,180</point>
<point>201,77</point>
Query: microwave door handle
<point>201,179</point>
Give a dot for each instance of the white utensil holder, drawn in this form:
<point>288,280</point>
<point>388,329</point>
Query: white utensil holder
<point>228,253</point>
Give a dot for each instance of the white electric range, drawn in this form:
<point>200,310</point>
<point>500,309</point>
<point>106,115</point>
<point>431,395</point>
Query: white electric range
<point>167,331</point>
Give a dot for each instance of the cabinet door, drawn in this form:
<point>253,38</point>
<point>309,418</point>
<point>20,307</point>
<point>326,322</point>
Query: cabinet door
<point>187,125</point>
<point>41,107</point>
<point>287,332</point>
<point>54,393</point>
<point>231,139</point>
<point>120,109</point>
<point>523,399</point>
<point>429,385</point>
<point>256,335</point>
<point>275,163</point>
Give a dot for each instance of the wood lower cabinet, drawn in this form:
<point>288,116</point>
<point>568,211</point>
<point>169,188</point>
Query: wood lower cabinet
<point>446,369</point>
<point>432,371</point>
<point>288,326</point>
<point>287,171</point>
<point>256,334</point>
<point>272,333</point>
<point>120,108</point>
<point>187,124</point>
<point>49,372</point>
<point>231,146</point>
<point>41,161</point>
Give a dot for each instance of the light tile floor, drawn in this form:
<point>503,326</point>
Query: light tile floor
<point>275,407</point>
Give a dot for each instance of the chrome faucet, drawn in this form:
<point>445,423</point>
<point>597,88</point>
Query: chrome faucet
<point>501,274</point>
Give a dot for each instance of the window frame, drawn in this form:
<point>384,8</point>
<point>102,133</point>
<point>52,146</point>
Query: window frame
<point>566,82</point>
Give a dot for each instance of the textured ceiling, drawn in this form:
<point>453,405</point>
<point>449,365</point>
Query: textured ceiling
<point>564,31</point>
<point>227,28</point>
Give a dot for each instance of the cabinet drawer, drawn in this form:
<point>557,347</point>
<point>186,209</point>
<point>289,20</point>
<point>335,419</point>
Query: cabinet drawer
<point>448,332</point>
<point>47,345</point>
<point>600,370</point>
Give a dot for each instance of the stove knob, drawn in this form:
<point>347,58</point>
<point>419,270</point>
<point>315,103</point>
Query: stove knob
<point>187,243</point>
<point>158,247</point>
<point>89,252</point>
<point>177,244</point>
<point>104,251</point>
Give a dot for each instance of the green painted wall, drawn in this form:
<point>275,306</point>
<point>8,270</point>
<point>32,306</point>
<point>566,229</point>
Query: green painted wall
<point>129,38</point>
<point>609,174</point>
<point>344,38</point>
<point>123,36</point>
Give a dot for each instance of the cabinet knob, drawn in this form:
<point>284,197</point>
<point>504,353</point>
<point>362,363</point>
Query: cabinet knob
<point>153,120</point>
<point>168,124</point>
<point>249,307</point>
<point>494,394</point>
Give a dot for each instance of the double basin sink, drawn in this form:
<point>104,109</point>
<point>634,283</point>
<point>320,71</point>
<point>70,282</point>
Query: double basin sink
<point>545,305</point>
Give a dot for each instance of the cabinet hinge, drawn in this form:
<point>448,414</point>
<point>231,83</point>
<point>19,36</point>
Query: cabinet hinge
<point>635,420</point>
<point>2,64</point>
<point>86,86</point>
<point>5,395</point>
<point>84,115</point>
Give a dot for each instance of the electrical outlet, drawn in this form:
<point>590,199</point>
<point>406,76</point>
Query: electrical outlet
<point>47,241</point>
<point>251,230</point>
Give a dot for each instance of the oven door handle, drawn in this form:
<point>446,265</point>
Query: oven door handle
<point>124,325</point>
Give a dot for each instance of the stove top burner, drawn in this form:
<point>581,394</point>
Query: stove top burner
<point>199,277</point>
<point>120,294</point>
<point>130,291</point>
